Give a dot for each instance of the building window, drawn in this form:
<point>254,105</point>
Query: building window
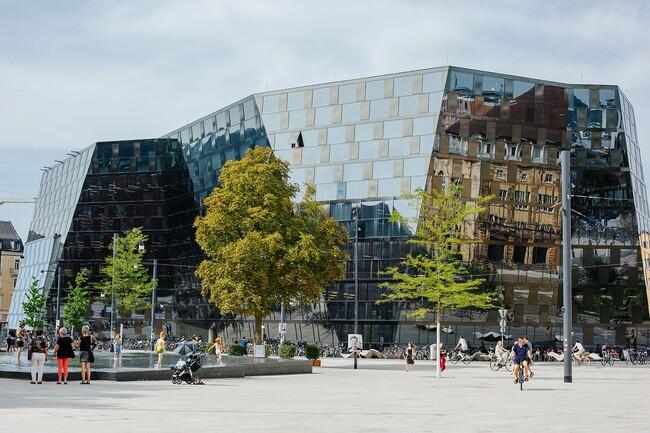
<point>503,194</point>
<point>499,174</point>
<point>519,254</point>
<point>16,264</point>
<point>486,149</point>
<point>15,283</point>
<point>522,197</point>
<point>539,255</point>
<point>495,253</point>
<point>548,178</point>
<point>524,177</point>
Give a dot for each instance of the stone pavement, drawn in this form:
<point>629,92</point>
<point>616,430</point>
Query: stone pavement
<point>379,397</point>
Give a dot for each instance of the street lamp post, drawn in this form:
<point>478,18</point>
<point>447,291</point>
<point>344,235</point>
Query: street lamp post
<point>115,237</point>
<point>567,296</point>
<point>153,300</point>
<point>355,216</point>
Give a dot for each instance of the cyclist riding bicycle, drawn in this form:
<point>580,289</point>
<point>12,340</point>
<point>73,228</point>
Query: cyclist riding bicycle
<point>579,351</point>
<point>462,346</point>
<point>530,354</point>
<point>520,357</point>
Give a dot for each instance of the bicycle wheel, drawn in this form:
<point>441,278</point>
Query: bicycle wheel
<point>495,365</point>
<point>521,377</point>
<point>509,365</point>
<point>610,360</point>
<point>603,361</point>
<point>454,359</point>
<point>467,360</point>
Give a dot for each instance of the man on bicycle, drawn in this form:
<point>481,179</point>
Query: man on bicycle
<point>579,351</point>
<point>520,357</point>
<point>462,347</point>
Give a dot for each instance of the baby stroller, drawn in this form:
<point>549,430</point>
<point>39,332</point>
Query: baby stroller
<point>185,370</point>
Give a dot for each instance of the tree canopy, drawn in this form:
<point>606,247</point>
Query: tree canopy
<point>435,272</point>
<point>76,303</point>
<point>262,247</point>
<point>126,275</point>
<point>34,305</point>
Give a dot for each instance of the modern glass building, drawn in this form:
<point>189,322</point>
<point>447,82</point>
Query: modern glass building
<point>366,144</point>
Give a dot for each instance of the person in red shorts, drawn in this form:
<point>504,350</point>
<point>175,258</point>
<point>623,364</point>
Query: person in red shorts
<point>63,350</point>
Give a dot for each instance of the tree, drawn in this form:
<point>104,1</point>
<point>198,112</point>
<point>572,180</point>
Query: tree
<point>34,305</point>
<point>261,248</point>
<point>76,303</point>
<point>125,276</point>
<point>434,274</point>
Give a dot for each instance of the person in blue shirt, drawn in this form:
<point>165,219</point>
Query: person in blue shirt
<point>244,343</point>
<point>520,357</point>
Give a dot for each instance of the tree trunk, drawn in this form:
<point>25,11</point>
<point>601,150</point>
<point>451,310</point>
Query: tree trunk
<point>438,342</point>
<point>258,329</point>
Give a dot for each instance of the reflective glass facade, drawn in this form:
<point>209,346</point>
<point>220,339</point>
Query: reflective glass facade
<point>367,144</point>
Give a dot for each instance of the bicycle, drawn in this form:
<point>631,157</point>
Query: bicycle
<point>456,356</point>
<point>497,362</point>
<point>607,359</point>
<point>581,361</point>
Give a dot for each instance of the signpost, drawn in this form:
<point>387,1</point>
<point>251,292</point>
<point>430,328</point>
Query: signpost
<point>355,343</point>
<point>503,313</point>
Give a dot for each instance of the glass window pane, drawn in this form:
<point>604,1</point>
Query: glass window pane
<point>492,89</point>
<point>271,104</point>
<point>324,116</point>
<point>353,171</point>
<point>389,187</point>
<point>311,155</point>
<point>310,137</point>
<point>382,169</point>
<point>324,174</point>
<point>351,112</point>
<point>380,109</point>
<point>403,86</point>
<point>415,167</point>
<point>298,175</point>
<point>433,82</point>
<point>607,98</point>
<point>581,98</point>
<point>418,182</point>
<point>368,149</point>
<point>399,146</point>
<point>347,93</point>
<point>423,125</point>
<point>321,97</point>
<point>393,128</point>
<point>283,141</point>
<point>462,82</point>
<point>249,109</point>
<point>235,116</point>
<point>375,90</point>
<point>336,135</point>
<point>408,105</point>
<point>296,101</point>
<point>364,131</point>
<point>340,152</point>
<point>297,119</point>
<point>273,122</point>
<point>521,87</point>
<point>357,189</point>
<point>326,191</point>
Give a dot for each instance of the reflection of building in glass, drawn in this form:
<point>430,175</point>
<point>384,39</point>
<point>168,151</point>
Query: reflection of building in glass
<point>367,144</point>
<point>11,249</point>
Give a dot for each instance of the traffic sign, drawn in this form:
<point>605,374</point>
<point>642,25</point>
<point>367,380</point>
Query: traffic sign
<point>502,324</point>
<point>282,328</point>
<point>503,312</point>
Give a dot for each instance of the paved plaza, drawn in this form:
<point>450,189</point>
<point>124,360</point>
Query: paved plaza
<point>379,397</point>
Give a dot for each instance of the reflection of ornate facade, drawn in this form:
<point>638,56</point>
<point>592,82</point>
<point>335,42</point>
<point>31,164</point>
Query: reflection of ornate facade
<point>368,143</point>
<point>11,248</point>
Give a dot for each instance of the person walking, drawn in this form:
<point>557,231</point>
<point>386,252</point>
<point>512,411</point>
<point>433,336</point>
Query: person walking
<point>218,349</point>
<point>443,358</point>
<point>63,350</point>
<point>21,337</point>
<point>38,349</point>
<point>159,348</point>
<point>410,355</point>
<point>85,344</point>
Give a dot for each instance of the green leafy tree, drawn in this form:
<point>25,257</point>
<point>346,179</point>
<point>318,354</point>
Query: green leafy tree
<point>125,275</point>
<point>433,276</point>
<point>34,305</point>
<point>76,303</point>
<point>261,247</point>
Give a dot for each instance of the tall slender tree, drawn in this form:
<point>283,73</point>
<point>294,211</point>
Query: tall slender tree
<point>34,305</point>
<point>434,276</point>
<point>262,248</point>
<point>125,275</point>
<point>77,303</point>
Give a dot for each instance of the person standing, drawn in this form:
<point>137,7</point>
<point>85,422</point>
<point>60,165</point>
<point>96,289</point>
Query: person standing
<point>85,344</point>
<point>410,355</point>
<point>218,349</point>
<point>117,346</point>
<point>21,336</point>
<point>159,348</point>
<point>244,343</point>
<point>63,350</point>
<point>38,348</point>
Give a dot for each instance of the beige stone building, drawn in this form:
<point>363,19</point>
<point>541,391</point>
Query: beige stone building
<point>11,250</point>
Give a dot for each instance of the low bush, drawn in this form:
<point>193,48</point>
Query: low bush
<point>236,349</point>
<point>312,351</point>
<point>287,351</point>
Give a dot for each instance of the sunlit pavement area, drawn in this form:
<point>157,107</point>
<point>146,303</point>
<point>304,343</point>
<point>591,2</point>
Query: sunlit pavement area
<point>378,397</point>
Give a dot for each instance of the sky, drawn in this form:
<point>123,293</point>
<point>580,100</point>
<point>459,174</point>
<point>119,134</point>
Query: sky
<point>76,72</point>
